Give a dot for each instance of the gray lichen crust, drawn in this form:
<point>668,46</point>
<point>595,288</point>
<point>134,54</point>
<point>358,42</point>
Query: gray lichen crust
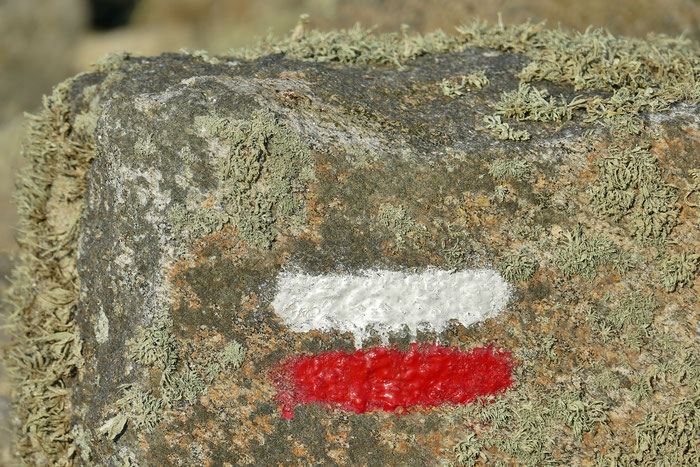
<point>163,196</point>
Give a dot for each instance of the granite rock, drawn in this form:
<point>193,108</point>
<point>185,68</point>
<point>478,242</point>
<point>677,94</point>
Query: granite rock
<point>184,184</point>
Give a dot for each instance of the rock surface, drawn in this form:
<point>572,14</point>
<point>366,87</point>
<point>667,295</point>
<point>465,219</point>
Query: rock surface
<point>184,184</point>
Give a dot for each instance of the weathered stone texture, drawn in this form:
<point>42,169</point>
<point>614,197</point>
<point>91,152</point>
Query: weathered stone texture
<point>211,175</point>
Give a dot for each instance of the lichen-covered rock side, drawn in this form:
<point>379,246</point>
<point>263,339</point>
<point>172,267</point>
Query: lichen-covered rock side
<point>165,195</point>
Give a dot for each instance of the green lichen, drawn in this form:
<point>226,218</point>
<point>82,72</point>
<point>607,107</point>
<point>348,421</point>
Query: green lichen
<point>545,347</point>
<point>111,62</point>
<point>114,426</point>
<point>670,436</point>
<point>518,266</point>
<point>231,356</point>
<point>630,181</point>
<point>529,103</point>
<point>527,419</point>
<point>584,256</point>
<point>143,410</point>
<point>638,75</point>
<point>359,158</point>
<point>693,188</point>
<point>634,311</point>
<point>201,54</point>
<point>502,169</point>
<point>157,347</point>
<point>624,261</point>
<point>679,270</point>
<point>603,380</point>
<point>668,433</point>
<point>399,223</point>
<point>263,181</point>
<point>86,122</point>
<point>185,385</point>
<point>44,348</point>
<point>503,131</point>
<point>580,413</point>
<point>126,458</point>
<point>196,223</point>
<point>469,450</point>
<point>624,125</point>
<point>82,440</point>
<point>136,406</point>
<point>630,319</point>
<point>456,86</point>
<point>355,45</point>
<point>643,75</point>
<point>500,192</point>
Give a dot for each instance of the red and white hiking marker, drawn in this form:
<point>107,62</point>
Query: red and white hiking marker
<point>391,380</point>
<point>389,301</point>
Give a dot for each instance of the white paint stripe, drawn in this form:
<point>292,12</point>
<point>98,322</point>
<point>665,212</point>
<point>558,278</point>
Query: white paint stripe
<point>388,300</point>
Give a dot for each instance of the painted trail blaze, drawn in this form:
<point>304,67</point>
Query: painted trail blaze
<point>390,379</point>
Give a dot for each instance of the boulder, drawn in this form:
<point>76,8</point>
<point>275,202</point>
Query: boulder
<point>357,249</point>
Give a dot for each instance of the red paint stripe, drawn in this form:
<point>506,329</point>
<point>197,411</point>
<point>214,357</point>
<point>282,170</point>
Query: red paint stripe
<point>390,379</point>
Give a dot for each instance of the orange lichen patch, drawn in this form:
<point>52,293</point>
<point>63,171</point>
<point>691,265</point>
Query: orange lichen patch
<point>395,440</point>
<point>299,450</point>
<point>183,294</point>
<point>264,342</point>
<point>663,147</point>
<point>337,433</point>
<point>321,167</point>
<point>209,202</point>
<point>250,302</point>
<point>238,404</point>
<point>226,240</point>
<point>296,75</point>
<point>433,442</point>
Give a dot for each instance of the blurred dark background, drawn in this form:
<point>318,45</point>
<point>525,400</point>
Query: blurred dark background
<point>43,42</point>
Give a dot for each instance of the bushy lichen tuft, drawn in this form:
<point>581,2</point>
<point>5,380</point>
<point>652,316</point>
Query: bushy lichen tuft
<point>630,181</point>
<point>469,450</point>
<point>155,345</point>
<point>693,188</point>
<point>634,311</point>
<point>638,75</point>
<point>44,349</point>
<point>354,45</point>
<point>231,356</point>
<point>503,131</point>
<point>671,435</point>
<point>631,319</point>
<point>136,406</point>
<point>502,169</point>
<point>186,385</point>
<point>529,416</point>
<point>529,103</point>
<point>518,266</point>
<point>679,270</point>
<point>459,85</point>
<point>201,54</point>
<point>196,222</point>
<point>583,256</point>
